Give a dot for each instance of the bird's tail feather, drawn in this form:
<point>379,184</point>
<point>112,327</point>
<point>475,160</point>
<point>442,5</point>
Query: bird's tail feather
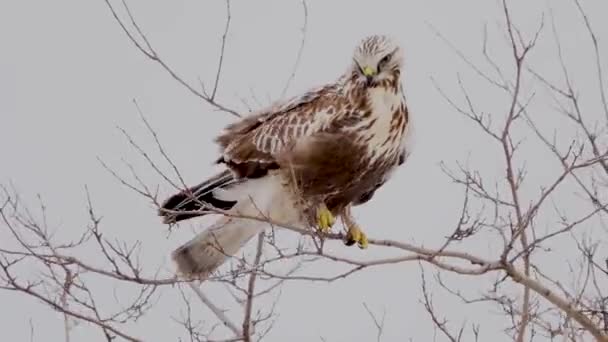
<point>190,200</point>
<point>209,250</point>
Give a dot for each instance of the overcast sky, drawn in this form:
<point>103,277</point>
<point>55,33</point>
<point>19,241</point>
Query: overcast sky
<point>68,76</point>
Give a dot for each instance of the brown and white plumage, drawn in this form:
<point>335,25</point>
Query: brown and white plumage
<point>333,146</point>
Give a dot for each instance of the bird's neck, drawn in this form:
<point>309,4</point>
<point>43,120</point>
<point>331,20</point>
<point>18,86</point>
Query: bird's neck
<point>383,102</point>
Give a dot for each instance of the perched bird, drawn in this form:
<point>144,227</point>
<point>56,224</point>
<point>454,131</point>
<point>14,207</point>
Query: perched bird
<point>301,162</point>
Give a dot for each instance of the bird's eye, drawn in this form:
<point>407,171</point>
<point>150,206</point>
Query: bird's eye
<point>383,61</point>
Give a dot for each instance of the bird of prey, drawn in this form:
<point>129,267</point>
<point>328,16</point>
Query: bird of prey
<point>301,162</point>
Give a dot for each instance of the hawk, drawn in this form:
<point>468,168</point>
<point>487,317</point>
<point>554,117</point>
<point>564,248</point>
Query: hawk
<point>303,161</point>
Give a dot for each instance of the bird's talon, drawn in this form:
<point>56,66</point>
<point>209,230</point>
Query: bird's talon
<point>349,241</point>
<point>325,219</point>
<point>355,234</point>
<point>363,243</point>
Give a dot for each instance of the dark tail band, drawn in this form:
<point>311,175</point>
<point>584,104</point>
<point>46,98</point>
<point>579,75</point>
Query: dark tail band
<point>191,199</point>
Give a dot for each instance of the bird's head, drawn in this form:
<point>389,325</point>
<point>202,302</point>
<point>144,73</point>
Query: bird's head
<point>377,58</point>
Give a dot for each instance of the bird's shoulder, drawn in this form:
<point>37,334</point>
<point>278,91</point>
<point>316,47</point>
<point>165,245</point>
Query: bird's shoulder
<point>298,109</point>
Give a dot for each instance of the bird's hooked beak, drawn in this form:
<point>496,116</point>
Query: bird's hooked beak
<point>369,73</point>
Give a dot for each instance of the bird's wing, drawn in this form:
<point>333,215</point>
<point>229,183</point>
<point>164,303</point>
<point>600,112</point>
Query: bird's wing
<point>252,144</point>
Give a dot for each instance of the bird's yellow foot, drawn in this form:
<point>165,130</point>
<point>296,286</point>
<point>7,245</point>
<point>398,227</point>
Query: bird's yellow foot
<point>355,234</point>
<point>325,219</point>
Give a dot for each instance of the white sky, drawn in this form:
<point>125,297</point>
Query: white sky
<point>68,76</point>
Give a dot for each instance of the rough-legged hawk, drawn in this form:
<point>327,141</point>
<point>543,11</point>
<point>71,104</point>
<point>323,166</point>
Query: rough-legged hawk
<point>303,161</point>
